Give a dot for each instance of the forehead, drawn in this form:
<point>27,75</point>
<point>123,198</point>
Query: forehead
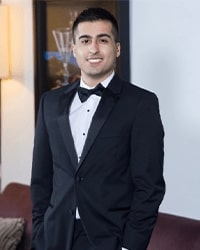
<point>94,28</point>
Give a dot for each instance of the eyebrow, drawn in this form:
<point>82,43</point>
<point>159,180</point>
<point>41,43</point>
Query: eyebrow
<point>98,36</point>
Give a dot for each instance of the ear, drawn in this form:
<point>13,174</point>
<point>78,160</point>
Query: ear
<point>74,50</point>
<point>118,49</point>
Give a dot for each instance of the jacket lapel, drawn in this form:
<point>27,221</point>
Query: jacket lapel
<point>107,103</point>
<point>64,124</point>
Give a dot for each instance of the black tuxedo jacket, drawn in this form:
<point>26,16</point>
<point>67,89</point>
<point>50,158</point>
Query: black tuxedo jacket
<point>117,184</point>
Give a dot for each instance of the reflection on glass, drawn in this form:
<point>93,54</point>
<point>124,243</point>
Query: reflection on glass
<point>63,39</point>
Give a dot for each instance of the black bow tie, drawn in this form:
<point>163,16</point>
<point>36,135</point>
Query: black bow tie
<point>84,94</point>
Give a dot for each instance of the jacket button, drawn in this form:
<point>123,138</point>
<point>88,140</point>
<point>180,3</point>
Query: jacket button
<point>71,211</point>
<point>79,178</point>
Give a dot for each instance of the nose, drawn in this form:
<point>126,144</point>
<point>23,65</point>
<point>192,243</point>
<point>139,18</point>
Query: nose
<point>93,48</point>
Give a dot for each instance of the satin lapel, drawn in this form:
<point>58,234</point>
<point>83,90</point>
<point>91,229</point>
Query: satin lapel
<point>64,123</point>
<point>107,103</point>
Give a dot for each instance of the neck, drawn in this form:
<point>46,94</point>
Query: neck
<point>93,81</point>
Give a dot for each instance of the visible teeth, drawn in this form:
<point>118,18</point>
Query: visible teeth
<point>94,60</point>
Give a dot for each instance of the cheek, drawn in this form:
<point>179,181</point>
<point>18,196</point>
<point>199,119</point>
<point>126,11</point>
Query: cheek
<point>78,54</point>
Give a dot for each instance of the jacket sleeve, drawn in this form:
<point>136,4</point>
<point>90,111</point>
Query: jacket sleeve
<point>147,152</point>
<point>41,178</point>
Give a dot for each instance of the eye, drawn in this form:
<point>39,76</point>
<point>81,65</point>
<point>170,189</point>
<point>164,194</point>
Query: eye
<point>85,41</point>
<point>103,40</point>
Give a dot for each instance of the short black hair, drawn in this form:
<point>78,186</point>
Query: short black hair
<point>96,14</point>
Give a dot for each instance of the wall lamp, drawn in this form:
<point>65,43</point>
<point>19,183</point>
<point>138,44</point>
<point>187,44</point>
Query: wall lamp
<point>4,42</point>
<point>12,36</point>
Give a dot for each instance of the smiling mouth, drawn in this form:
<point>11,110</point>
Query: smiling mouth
<point>95,60</point>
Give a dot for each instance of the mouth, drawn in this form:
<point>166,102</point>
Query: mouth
<point>94,60</point>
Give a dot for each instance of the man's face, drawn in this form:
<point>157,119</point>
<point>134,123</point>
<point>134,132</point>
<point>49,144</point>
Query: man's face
<point>95,50</point>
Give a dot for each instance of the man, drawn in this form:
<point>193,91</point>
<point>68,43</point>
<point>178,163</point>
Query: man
<point>97,175</point>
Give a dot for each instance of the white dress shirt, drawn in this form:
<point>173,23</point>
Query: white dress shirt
<point>81,114</point>
<point>80,117</point>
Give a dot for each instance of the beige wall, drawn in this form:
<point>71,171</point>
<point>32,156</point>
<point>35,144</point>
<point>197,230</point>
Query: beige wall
<point>165,59</point>
<point>17,104</point>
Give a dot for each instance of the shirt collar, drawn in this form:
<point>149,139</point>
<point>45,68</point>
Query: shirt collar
<point>104,83</point>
